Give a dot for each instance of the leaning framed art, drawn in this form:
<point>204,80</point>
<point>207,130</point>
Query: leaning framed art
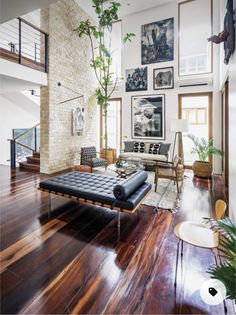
<point>148,117</point>
<point>163,78</point>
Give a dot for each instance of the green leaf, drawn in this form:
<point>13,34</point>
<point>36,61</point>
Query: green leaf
<point>128,37</point>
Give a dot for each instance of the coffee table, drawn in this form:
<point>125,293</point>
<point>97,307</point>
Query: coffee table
<point>126,169</point>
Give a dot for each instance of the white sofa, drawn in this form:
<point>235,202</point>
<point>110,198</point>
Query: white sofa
<point>147,151</point>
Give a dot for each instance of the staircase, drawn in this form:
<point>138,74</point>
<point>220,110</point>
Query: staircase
<point>32,163</point>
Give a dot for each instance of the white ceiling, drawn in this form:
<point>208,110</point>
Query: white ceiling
<point>11,85</point>
<point>127,6</point>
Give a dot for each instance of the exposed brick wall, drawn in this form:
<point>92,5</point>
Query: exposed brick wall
<point>69,63</point>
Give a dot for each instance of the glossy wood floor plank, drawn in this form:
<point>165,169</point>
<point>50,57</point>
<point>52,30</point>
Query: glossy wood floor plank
<point>42,265</point>
<point>29,243</point>
<point>80,268</point>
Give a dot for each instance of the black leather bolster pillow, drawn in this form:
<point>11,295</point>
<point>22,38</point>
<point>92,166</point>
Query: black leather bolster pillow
<point>124,190</point>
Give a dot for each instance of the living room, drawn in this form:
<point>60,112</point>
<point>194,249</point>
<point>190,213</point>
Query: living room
<point>117,144</point>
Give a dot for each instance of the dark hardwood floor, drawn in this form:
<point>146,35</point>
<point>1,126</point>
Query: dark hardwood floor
<point>73,264</point>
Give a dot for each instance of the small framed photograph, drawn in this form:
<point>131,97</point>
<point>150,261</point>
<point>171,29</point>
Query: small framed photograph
<point>136,79</point>
<point>163,78</point>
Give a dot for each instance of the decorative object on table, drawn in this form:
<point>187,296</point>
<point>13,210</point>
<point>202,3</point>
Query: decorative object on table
<point>136,79</point>
<point>79,95</point>
<point>204,149</point>
<point>157,41</point>
<point>170,170</point>
<point>109,155</point>
<point>148,117</point>
<point>102,54</point>
<point>89,157</point>
<point>163,78</point>
<point>225,269</point>
<point>178,126</point>
<point>78,121</point>
<point>125,169</point>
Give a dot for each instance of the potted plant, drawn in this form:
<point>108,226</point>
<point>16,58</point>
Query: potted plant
<point>100,37</point>
<point>204,149</point>
<point>225,270</point>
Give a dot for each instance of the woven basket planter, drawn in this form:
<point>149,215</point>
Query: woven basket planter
<point>202,169</point>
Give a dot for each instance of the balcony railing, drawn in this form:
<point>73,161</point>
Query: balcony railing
<point>24,43</point>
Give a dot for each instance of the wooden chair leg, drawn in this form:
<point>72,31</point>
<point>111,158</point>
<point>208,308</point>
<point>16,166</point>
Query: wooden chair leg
<point>177,183</point>
<point>156,182</point>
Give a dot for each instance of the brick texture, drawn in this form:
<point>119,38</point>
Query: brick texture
<point>69,63</point>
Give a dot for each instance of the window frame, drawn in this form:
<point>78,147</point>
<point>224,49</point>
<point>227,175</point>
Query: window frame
<point>211,65</point>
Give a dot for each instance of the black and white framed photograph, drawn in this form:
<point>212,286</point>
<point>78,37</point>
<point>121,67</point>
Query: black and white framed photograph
<point>163,78</point>
<point>136,79</point>
<point>157,41</point>
<point>78,121</point>
<point>148,117</point>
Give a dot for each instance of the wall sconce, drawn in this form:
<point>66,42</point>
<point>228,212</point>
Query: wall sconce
<point>71,99</point>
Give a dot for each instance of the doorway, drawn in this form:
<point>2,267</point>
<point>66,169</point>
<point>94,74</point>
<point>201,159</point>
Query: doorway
<point>197,109</point>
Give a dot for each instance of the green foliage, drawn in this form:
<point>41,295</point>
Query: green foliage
<point>204,148</point>
<point>101,62</point>
<point>225,271</point>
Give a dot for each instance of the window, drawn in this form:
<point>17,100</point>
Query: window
<point>195,116</point>
<point>195,26</point>
<point>196,108</point>
<point>116,47</point>
<point>113,125</point>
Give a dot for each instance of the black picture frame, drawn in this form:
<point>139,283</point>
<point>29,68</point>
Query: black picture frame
<point>136,79</point>
<point>157,41</point>
<point>148,121</point>
<point>163,80</point>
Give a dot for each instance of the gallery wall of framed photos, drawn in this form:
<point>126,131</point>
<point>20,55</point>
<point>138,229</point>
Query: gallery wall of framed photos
<point>150,68</point>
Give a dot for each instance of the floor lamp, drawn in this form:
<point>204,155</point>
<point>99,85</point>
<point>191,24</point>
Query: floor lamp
<point>178,126</point>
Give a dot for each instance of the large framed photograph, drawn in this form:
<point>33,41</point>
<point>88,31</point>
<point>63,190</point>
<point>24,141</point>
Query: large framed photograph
<point>78,121</point>
<point>157,41</point>
<point>163,78</point>
<point>148,117</point>
<point>136,79</point>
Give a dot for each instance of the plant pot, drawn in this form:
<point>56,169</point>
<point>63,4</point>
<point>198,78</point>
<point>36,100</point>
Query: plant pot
<point>109,155</point>
<point>202,169</point>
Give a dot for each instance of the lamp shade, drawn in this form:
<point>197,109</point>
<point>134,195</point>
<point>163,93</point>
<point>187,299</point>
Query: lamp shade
<point>179,125</point>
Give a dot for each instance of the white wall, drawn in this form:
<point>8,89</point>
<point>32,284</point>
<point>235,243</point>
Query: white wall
<point>229,72</point>
<point>232,133</point>
<point>12,116</point>
<point>131,58</point>
<point>12,9</point>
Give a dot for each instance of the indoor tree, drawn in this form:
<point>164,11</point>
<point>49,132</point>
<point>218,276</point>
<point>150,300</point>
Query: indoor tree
<point>100,37</point>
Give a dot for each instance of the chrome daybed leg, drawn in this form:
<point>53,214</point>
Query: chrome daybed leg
<point>118,225</point>
<point>49,205</point>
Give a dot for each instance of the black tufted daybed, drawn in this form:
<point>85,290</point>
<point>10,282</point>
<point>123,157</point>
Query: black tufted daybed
<point>122,195</point>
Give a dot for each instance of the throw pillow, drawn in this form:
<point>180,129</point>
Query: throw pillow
<point>139,147</point>
<point>129,146</point>
<point>154,148</point>
<point>164,148</point>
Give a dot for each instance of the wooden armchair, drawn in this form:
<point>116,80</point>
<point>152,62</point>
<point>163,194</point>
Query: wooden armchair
<point>89,157</point>
<point>169,170</point>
